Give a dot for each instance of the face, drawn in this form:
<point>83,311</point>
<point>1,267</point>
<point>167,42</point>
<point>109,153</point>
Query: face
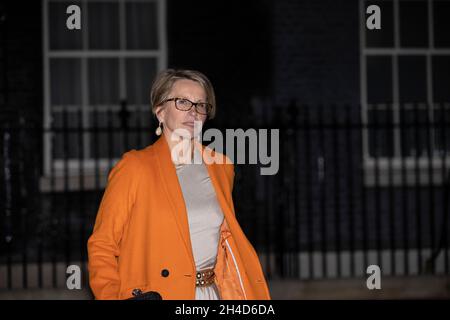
<point>173,118</point>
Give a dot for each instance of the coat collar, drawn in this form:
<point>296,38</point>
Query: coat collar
<point>172,188</point>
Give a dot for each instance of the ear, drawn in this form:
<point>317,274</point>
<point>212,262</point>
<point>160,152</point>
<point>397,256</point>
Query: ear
<point>160,112</point>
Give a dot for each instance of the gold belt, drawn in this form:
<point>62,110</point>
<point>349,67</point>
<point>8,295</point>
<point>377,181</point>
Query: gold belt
<point>204,277</point>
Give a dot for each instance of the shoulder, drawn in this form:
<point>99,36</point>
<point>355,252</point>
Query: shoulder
<point>138,157</point>
<point>132,161</point>
<point>128,164</point>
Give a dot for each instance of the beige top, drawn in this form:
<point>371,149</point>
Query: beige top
<point>205,217</point>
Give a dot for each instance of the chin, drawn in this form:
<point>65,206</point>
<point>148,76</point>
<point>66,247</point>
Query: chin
<point>185,132</point>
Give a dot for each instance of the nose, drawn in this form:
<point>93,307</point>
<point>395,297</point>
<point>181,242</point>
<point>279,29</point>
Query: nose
<point>192,112</point>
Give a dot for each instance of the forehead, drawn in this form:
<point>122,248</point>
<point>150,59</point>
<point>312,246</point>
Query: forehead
<point>190,89</point>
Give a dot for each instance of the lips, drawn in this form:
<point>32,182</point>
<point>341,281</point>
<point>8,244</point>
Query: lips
<point>191,124</point>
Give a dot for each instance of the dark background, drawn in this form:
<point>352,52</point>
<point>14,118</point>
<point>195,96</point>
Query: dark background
<point>288,65</point>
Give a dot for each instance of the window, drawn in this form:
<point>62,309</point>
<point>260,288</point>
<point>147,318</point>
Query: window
<point>92,78</point>
<point>405,76</point>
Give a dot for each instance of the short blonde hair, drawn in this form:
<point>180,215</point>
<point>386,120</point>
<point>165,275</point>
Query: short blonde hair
<point>163,82</point>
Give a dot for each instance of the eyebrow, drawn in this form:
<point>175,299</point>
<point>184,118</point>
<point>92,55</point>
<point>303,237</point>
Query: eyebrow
<point>184,97</point>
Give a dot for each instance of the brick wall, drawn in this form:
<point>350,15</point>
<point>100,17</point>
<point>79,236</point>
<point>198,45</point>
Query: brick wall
<point>316,51</point>
<point>24,58</point>
<point>230,41</point>
<point>21,103</point>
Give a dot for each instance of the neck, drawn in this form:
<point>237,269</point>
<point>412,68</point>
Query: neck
<point>183,145</point>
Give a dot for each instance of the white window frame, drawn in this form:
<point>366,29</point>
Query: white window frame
<point>67,177</point>
<point>377,170</point>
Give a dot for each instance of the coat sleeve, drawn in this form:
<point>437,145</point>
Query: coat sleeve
<point>104,243</point>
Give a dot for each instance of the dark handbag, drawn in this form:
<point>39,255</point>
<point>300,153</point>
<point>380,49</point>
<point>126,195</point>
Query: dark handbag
<point>150,295</point>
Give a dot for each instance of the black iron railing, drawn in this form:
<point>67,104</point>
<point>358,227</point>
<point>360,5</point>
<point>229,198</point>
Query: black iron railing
<point>350,191</point>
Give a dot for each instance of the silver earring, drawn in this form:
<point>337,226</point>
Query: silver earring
<point>159,130</point>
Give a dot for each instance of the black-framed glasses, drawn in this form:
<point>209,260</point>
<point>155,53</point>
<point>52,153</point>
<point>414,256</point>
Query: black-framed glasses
<point>184,104</point>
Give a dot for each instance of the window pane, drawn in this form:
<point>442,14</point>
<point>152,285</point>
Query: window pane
<point>140,122</point>
<point>140,74</point>
<point>379,79</point>
<point>65,81</point>
<point>102,125</point>
<point>108,138</point>
<point>412,79</point>
<point>381,133</point>
<point>441,78</point>
<point>66,139</point>
<point>61,38</point>
<point>442,129</point>
<point>413,23</point>
<point>441,16</point>
<point>103,25</point>
<point>141,25</point>
<point>414,138</point>
<point>383,37</point>
<point>104,81</point>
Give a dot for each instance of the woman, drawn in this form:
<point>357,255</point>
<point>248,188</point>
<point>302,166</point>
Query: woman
<point>167,223</point>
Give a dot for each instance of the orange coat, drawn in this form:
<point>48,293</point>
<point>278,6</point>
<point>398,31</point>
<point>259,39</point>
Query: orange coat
<point>141,235</point>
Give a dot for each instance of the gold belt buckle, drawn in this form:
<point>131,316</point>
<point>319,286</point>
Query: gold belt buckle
<point>204,277</point>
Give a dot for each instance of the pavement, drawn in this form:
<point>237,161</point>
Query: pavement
<point>417,287</point>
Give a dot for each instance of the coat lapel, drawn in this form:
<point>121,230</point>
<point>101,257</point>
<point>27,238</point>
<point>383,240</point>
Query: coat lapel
<point>172,187</point>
